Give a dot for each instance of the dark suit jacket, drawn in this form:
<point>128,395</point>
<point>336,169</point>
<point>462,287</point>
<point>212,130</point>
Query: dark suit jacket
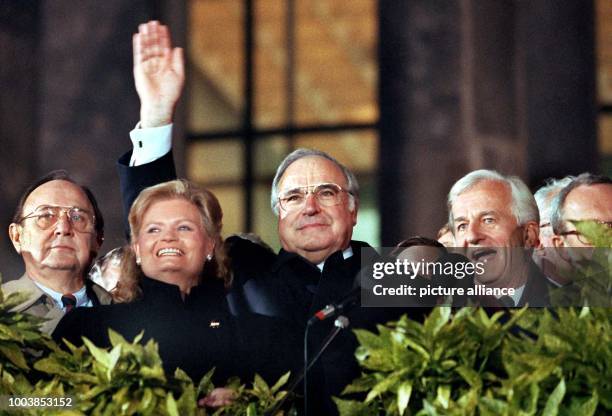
<point>194,334</point>
<point>536,292</point>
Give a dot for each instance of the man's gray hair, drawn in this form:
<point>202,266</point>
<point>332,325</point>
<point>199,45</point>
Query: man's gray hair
<point>351,180</point>
<point>524,207</point>
<point>557,219</point>
<point>545,197</point>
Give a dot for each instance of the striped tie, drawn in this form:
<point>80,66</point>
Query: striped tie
<point>69,301</point>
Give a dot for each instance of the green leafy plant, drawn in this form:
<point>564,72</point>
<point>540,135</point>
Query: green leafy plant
<point>260,399</point>
<point>21,344</point>
<point>469,363</point>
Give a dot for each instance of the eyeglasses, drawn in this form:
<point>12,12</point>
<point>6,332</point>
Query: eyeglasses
<point>581,237</point>
<point>327,194</point>
<point>48,215</point>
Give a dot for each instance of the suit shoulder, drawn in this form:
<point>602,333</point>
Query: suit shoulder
<point>25,286</point>
<point>245,253</point>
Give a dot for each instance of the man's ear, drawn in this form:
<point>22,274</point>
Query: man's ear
<point>15,236</point>
<point>557,241</point>
<point>531,234</point>
<point>355,210</point>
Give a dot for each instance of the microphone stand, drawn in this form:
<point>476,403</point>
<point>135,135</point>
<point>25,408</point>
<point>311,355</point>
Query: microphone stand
<point>340,323</point>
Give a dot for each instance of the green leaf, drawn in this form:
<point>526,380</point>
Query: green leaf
<point>403,396</point>
<point>437,319</point>
<point>99,354</point>
<point>584,408</point>
<point>251,410</point>
<point>114,356</point>
<point>171,406</point>
<point>352,408</point>
<point>470,376</point>
<point>260,387</point>
<point>14,354</point>
<point>494,407</point>
<point>206,385</point>
<point>281,382</point>
<point>146,402</point>
<point>363,383</point>
<point>554,400</point>
<point>385,385</point>
<point>443,396</point>
<point>116,338</point>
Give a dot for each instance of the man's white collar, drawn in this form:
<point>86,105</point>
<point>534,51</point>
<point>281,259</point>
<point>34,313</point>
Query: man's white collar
<point>345,254</point>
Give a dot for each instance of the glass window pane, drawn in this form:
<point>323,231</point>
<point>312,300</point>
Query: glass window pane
<point>358,150</point>
<point>336,61</point>
<point>231,199</point>
<point>216,161</point>
<point>269,153</point>
<point>264,220</point>
<point>215,55</point>
<point>270,64</point>
<point>368,217</point>
<point>605,135</point>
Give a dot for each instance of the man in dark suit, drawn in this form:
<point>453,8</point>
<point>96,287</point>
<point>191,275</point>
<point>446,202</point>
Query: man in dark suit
<point>57,229</point>
<point>495,218</point>
<point>316,199</point>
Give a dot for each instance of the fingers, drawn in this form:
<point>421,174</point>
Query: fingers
<point>178,62</point>
<point>152,41</point>
<point>220,396</point>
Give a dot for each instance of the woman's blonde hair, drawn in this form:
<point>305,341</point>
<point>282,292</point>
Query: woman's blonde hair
<point>210,212</point>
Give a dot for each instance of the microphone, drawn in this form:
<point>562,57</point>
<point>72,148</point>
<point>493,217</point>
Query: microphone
<point>333,309</point>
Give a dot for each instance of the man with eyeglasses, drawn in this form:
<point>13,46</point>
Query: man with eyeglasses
<point>57,229</point>
<point>587,197</point>
<point>546,255</point>
<point>316,199</point>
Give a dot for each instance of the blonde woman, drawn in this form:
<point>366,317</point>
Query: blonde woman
<point>174,276</point>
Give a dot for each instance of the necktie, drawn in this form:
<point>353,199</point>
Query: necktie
<point>68,301</point>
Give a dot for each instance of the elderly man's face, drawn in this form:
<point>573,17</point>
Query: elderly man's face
<point>60,247</point>
<point>586,202</point>
<point>484,223</point>
<point>315,231</point>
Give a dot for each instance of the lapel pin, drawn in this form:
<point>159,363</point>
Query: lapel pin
<point>214,324</point>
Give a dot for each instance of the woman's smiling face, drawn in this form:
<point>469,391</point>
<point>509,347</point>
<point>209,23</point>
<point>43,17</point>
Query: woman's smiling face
<point>172,243</point>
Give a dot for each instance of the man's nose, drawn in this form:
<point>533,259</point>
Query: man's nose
<point>311,205</point>
<point>473,235</point>
<point>63,225</point>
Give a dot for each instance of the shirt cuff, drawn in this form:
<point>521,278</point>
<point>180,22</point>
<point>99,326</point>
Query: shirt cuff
<point>150,143</point>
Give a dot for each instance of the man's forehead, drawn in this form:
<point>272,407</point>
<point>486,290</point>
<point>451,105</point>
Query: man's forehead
<point>57,192</point>
<point>483,197</point>
<point>311,170</point>
<point>589,201</point>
